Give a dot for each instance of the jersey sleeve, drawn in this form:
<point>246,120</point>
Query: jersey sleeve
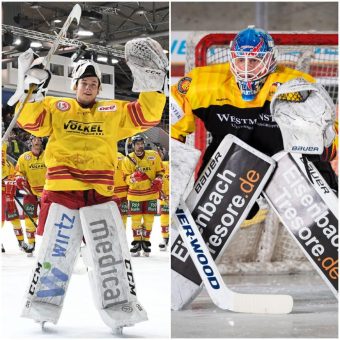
<point>159,166</point>
<point>20,168</point>
<point>142,114</point>
<point>35,118</point>
<point>182,117</point>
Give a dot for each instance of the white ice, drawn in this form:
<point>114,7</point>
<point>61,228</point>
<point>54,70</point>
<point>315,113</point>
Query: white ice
<point>79,318</point>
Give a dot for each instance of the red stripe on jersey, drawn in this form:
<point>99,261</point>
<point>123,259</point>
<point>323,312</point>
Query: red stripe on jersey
<point>34,126</point>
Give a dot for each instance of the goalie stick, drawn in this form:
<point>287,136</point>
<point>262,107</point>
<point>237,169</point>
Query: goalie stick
<point>220,294</point>
<point>75,14</point>
<point>219,202</point>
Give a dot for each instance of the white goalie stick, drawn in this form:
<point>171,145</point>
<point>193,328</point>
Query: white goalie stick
<point>74,15</point>
<point>220,294</point>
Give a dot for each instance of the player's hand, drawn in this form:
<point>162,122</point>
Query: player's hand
<point>157,184</point>
<point>10,189</point>
<point>138,176</point>
<point>21,182</point>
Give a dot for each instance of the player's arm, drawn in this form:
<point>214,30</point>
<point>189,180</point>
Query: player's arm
<point>20,174</point>
<point>182,117</point>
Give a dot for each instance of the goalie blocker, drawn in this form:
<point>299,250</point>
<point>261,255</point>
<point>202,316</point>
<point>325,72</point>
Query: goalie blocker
<point>309,211</point>
<point>219,202</point>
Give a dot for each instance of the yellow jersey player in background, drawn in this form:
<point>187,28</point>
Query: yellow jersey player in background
<point>143,174</point>
<point>30,173</point>
<point>9,209</point>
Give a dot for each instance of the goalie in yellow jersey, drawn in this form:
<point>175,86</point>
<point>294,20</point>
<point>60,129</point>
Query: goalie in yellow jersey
<point>77,200</point>
<point>144,171</point>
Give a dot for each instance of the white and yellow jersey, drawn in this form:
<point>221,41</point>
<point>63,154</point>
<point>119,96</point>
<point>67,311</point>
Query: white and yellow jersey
<point>33,168</point>
<point>151,164</point>
<point>81,153</point>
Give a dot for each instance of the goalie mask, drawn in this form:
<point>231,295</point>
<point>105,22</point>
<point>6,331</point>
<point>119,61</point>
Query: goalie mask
<point>83,69</point>
<point>305,114</point>
<point>252,57</point>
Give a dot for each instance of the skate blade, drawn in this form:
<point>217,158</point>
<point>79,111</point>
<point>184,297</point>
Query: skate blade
<point>137,254</point>
<point>146,254</point>
<point>117,331</point>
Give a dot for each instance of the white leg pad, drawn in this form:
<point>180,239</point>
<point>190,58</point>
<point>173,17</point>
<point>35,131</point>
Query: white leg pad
<point>57,256</point>
<point>110,270</point>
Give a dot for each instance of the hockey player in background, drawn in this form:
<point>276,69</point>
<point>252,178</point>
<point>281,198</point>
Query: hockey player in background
<point>121,188</point>
<point>9,209</point>
<point>164,200</point>
<point>143,174</point>
<point>235,97</point>
<point>30,172</point>
<point>80,156</point>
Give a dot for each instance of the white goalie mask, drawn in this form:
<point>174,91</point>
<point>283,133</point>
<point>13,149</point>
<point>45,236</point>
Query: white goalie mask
<point>85,68</point>
<point>305,114</point>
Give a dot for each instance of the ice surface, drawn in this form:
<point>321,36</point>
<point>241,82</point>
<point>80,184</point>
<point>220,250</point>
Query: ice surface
<point>79,318</point>
<point>314,315</point>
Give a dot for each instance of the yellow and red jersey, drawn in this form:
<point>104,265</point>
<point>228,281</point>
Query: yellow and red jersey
<point>81,153</point>
<point>166,180</point>
<point>151,164</point>
<point>33,168</point>
<point>121,188</point>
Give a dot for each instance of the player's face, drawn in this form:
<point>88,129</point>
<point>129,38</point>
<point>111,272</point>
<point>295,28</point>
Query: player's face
<point>139,147</point>
<point>36,145</point>
<point>249,65</point>
<point>87,90</point>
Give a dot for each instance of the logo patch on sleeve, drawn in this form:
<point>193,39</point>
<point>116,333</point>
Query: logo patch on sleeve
<point>63,106</point>
<point>183,85</point>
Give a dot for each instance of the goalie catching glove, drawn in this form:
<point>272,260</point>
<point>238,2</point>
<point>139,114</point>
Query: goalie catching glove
<point>148,64</point>
<point>30,72</point>
<point>305,114</point>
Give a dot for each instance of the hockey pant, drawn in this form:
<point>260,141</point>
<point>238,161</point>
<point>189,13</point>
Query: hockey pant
<point>114,292</point>
<point>142,217</point>
<point>165,219</point>
<point>30,204</point>
<point>123,208</point>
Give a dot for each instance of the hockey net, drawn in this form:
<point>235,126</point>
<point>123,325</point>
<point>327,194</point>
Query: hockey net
<point>263,245</point>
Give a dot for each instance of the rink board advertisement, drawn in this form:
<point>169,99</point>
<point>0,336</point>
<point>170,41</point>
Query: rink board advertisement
<point>221,199</point>
<point>309,212</point>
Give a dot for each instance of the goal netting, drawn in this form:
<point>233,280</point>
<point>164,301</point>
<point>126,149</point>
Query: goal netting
<point>263,245</point>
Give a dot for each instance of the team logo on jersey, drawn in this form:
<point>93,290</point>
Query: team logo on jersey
<point>183,85</point>
<point>151,158</point>
<point>273,89</point>
<point>107,108</point>
<point>27,157</point>
<point>63,106</point>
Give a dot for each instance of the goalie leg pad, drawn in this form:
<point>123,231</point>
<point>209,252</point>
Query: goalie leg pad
<point>55,261</point>
<point>110,270</point>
